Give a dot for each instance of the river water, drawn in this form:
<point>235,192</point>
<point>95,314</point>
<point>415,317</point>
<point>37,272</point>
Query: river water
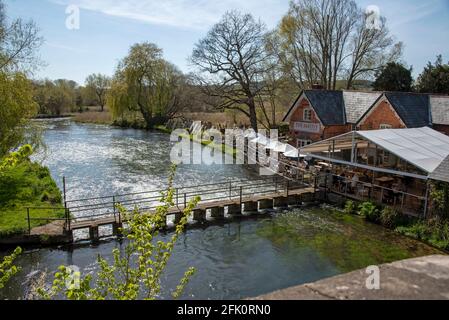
<point>234,260</point>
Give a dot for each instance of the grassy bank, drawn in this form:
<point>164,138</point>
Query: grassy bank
<point>27,185</point>
<point>433,231</point>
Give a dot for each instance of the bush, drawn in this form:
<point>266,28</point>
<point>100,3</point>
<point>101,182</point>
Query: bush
<point>369,211</point>
<point>390,217</point>
<point>349,207</point>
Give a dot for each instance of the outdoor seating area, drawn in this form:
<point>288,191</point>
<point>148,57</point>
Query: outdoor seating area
<point>386,166</point>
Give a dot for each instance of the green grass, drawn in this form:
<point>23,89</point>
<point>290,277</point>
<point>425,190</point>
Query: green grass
<point>27,185</point>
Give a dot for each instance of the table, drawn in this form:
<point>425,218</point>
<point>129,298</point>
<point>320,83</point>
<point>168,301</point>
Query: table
<point>385,179</point>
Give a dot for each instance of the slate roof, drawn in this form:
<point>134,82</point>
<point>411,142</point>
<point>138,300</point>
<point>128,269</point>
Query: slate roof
<point>414,109</point>
<point>440,109</point>
<point>328,105</point>
<point>442,172</point>
<point>346,107</point>
<point>358,103</point>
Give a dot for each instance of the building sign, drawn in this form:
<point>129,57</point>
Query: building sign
<point>307,127</point>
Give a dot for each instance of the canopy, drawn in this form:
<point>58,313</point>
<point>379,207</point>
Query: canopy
<point>424,147</point>
<point>261,139</point>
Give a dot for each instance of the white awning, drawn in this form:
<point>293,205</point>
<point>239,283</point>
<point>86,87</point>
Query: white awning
<point>261,139</point>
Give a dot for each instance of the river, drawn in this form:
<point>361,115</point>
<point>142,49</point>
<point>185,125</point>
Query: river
<point>235,260</point>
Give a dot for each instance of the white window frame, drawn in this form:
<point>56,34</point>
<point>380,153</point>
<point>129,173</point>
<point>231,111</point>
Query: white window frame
<point>307,112</point>
<point>385,126</point>
<point>303,142</point>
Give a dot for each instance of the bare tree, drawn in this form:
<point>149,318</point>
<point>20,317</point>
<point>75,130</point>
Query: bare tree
<point>371,49</point>
<point>323,41</point>
<point>230,61</point>
<point>19,41</point>
<point>99,85</point>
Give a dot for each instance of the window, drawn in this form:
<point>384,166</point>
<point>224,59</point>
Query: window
<point>385,126</point>
<point>302,143</point>
<point>307,115</point>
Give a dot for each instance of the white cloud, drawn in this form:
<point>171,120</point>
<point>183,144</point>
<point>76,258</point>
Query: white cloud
<point>199,14</point>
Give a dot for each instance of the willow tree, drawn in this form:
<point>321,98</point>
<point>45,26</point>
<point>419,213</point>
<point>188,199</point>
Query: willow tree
<point>145,82</point>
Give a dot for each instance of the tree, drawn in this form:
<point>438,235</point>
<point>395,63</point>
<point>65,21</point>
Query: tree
<point>394,77</point>
<point>434,78</point>
<point>323,41</point>
<point>56,97</point>
<point>144,81</point>
<point>16,107</point>
<point>99,84</point>
<point>19,42</point>
<point>230,62</point>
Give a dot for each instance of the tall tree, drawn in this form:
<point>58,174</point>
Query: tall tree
<point>99,85</point>
<point>394,77</point>
<point>434,78</point>
<point>323,41</point>
<point>230,62</point>
<point>16,107</point>
<point>19,42</point>
<point>144,81</point>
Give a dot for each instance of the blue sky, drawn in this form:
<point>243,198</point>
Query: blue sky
<point>109,27</point>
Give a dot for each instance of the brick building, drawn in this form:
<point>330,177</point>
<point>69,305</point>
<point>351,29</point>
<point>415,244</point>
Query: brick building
<point>322,114</point>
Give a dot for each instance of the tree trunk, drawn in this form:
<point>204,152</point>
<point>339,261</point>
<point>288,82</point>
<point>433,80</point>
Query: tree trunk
<point>252,114</point>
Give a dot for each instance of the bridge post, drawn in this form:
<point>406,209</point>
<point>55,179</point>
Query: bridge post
<point>94,233</point>
<point>113,204</point>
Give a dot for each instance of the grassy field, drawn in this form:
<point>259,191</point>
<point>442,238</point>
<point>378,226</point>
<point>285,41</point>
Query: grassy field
<point>27,185</point>
<point>93,115</point>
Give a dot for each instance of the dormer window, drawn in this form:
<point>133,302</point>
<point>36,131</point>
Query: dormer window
<point>307,115</point>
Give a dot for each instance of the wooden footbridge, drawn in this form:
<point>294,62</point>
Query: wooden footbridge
<point>220,200</point>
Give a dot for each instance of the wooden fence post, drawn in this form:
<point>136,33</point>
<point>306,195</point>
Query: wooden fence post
<point>29,222</point>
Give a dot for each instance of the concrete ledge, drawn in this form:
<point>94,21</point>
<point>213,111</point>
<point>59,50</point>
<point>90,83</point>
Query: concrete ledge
<point>413,279</point>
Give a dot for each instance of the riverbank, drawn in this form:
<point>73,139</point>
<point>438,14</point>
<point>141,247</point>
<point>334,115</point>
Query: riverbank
<point>27,185</point>
<point>423,278</point>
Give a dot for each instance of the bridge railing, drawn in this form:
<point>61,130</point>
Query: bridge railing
<point>79,210</point>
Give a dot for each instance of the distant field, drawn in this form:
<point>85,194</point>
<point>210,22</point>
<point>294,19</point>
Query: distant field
<point>94,115</point>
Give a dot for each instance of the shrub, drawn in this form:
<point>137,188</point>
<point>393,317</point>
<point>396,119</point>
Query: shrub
<point>369,211</point>
<point>349,207</point>
<point>390,217</point>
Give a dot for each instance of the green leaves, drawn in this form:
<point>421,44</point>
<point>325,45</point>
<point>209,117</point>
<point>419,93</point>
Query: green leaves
<point>136,271</point>
<point>7,269</point>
